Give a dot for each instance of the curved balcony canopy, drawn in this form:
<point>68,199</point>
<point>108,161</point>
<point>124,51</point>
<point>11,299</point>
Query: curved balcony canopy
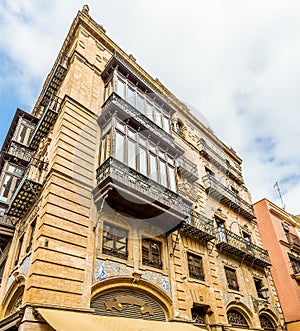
<point>139,197</point>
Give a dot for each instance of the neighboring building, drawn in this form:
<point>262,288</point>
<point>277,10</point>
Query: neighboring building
<point>129,207</point>
<point>278,231</point>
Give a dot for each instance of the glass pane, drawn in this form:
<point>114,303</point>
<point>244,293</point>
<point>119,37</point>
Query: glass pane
<point>103,150</point>
<point>22,134</point>
<point>106,129</point>
<point>153,168</point>
<point>131,154</point>
<point>131,134</point>
<point>149,112</point>
<point>172,179</point>
<point>120,126</point>
<point>6,187</point>
<point>131,96</point>
<point>121,88</point>
<point>140,103</point>
<point>143,161</point>
<point>157,118</point>
<point>162,173</point>
<point>142,141</point>
<point>119,150</point>
<point>15,170</point>
<point>166,124</point>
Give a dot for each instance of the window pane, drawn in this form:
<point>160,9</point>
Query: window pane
<point>131,96</point>
<point>131,155</point>
<point>143,161</point>
<point>162,173</point>
<point>166,125</point>
<point>140,103</point>
<point>157,118</point>
<point>120,126</point>
<point>15,170</point>
<point>149,112</point>
<point>153,169</point>
<point>172,179</point>
<point>103,150</point>
<point>6,187</point>
<point>119,151</point>
<point>121,88</point>
<point>22,134</point>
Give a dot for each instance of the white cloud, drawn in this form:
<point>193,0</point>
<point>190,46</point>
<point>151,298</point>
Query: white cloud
<point>236,62</point>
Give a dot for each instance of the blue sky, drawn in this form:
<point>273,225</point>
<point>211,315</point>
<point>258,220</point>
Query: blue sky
<point>236,63</point>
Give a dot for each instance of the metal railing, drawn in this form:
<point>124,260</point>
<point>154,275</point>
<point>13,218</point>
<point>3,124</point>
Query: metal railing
<point>215,157</point>
<point>237,245</point>
<point>20,151</point>
<point>187,168</point>
<point>134,180</point>
<point>228,197</point>
<point>132,112</point>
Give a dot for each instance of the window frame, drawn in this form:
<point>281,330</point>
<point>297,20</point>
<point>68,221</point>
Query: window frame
<point>149,261</point>
<point>192,259</point>
<point>114,251</point>
<point>231,278</point>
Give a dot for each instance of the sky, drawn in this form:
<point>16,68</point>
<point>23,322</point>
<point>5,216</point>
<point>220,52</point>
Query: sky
<point>236,62</point>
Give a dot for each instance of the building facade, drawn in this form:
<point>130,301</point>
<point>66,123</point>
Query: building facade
<point>130,211</point>
<point>279,235</point>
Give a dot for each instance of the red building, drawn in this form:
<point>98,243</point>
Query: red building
<point>279,236</point>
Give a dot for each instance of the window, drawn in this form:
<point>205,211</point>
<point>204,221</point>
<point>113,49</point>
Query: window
<point>19,249</point>
<point>140,154</point>
<point>221,230</point>
<point>286,232</point>
<point>2,266</point>
<point>15,170</point>
<point>231,279</point>
<point>235,318</point>
<point>195,266</point>
<point>6,186</point>
<point>32,230</point>
<point>114,241</point>
<point>295,263</point>
<point>247,240</point>
<point>259,286</point>
<point>209,172</point>
<point>198,315</point>
<point>265,323</point>
<point>151,253</point>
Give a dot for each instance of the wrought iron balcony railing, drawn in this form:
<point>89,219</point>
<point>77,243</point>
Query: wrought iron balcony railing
<point>134,181</point>
<point>228,197</point>
<point>215,158</point>
<point>199,227</point>
<point>187,168</point>
<point>20,151</point>
<point>294,242</point>
<point>28,189</point>
<point>238,246</point>
<point>46,121</point>
<point>131,112</point>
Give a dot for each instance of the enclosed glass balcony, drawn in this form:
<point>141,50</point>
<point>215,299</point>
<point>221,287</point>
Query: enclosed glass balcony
<point>187,169</point>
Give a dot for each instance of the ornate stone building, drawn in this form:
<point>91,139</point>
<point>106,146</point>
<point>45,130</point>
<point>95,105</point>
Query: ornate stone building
<point>129,210</point>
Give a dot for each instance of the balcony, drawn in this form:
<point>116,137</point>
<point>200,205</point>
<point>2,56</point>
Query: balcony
<point>57,75</point>
<point>236,245</point>
<point>27,192</point>
<point>215,158</point>
<point>130,192</point>
<point>115,104</point>
<point>7,228</point>
<point>228,197</point>
<point>20,151</point>
<point>45,123</point>
<point>199,227</point>
<point>294,242</point>
<point>187,169</point>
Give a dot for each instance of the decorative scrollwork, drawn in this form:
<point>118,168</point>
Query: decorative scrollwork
<point>235,318</point>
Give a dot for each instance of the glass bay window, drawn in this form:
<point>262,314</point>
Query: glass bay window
<point>138,152</point>
<point>138,99</point>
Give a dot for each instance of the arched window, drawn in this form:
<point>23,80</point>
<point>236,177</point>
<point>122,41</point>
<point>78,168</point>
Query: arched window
<point>266,323</point>
<point>235,318</point>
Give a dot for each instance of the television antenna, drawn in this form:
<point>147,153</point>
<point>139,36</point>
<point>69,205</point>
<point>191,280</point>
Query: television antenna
<point>276,185</point>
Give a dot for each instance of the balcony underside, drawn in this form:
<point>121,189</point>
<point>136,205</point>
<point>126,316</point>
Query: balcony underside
<point>196,232</point>
<point>230,202</point>
<point>136,204</point>
<point>245,254</point>
<point>24,198</point>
